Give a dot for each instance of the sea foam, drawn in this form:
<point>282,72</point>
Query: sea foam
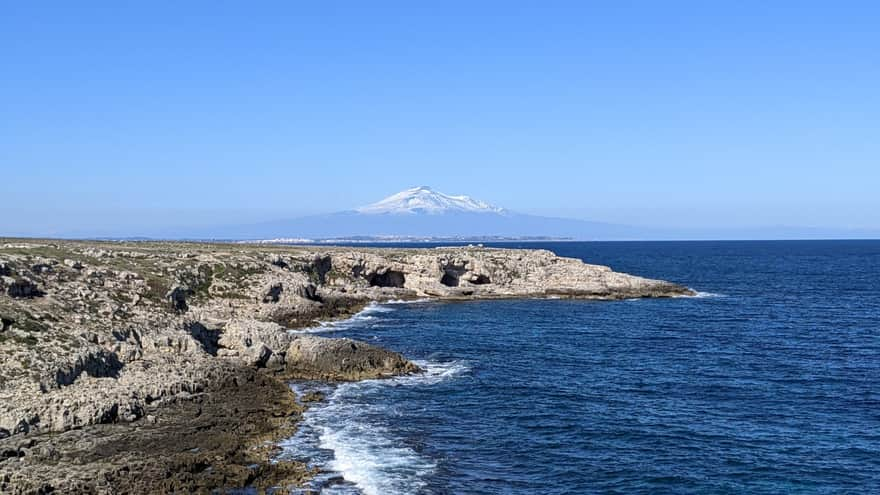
<point>349,434</point>
<point>365,315</point>
<point>702,295</point>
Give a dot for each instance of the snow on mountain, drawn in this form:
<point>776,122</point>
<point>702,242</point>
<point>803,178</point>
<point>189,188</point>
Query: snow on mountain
<point>420,212</point>
<point>426,200</point>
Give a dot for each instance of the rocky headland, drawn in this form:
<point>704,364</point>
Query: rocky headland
<point>161,367</point>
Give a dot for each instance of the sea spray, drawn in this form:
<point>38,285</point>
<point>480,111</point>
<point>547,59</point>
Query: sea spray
<point>364,315</point>
<point>767,385</point>
<point>348,437</point>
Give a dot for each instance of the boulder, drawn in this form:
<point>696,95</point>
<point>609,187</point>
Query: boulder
<point>240,337</point>
<point>320,358</point>
<point>257,355</point>
<point>312,396</point>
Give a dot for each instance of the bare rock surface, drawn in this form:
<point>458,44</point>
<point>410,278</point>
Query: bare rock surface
<point>343,359</point>
<point>100,337</point>
<point>194,443</point>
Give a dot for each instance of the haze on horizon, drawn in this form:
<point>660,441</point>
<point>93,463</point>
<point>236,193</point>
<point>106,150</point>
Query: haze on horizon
<point>119,119</point>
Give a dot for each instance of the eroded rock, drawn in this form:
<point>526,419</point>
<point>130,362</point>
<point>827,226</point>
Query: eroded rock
<point>273,292</point>
<point>24,288</point>
<point>177,297</point>
<point>308,291</point>
<point>343,359</point>
<point>387,278</point>
<point>148,326</point>
<point>76,265</point>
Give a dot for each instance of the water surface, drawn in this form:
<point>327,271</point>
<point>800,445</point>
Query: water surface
<point>768,384</point>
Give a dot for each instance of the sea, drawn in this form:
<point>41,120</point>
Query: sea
<point>766,382</point>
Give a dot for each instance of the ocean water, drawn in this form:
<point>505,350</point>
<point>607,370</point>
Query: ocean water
<point>767,383</point>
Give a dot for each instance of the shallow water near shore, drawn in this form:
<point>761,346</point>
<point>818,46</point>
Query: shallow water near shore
<point>768,382</point>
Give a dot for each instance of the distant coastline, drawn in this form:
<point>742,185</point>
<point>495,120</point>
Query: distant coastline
<point>394,239</point>
<point>386,239</point>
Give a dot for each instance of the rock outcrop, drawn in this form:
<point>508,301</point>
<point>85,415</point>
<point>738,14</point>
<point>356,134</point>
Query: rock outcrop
<point>482,273</point>
<point>343,359</point>
<point>95,333</point>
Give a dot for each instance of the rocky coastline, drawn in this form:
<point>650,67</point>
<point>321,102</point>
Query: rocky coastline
<point>161,367</point>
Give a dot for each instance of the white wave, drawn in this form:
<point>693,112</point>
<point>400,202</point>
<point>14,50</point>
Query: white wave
<point>702,295</point>
<point>432,373</point>
<point>370,457</point>
<point>364,315</point>
<point>407,301</point>
<point>375,307</point>
<point>348,434</point>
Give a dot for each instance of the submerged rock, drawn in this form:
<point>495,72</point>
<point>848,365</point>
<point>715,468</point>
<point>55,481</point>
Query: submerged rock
<point>312,396</point>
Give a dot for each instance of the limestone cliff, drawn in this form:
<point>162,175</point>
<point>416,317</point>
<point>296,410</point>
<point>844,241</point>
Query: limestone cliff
<point>95,333</point>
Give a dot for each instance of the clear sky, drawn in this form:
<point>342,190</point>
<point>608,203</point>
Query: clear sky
<point>120,115</point>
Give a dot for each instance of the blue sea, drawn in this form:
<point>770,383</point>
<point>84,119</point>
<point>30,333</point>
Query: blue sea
<point>767,382</point>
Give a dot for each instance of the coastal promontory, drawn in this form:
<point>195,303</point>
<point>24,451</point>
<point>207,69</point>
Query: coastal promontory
<point>161,367</point>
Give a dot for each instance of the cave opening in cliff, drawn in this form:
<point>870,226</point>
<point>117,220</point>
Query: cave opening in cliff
<point>390,278</point>
<point>481,280</point>
<point>208,337</point>
<point>449,279</point>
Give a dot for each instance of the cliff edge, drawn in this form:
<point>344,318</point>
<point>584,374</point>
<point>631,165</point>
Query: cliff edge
<point>100,335</point>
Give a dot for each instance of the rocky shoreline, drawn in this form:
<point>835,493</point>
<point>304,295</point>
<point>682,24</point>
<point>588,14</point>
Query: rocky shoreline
<point>161,367</point>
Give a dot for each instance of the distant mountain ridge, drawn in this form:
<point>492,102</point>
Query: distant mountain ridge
<point>423,213</point>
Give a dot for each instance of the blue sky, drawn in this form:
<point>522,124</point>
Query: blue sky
<point>118,116</point>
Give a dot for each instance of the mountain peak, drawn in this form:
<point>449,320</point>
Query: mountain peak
<point>425,200</point>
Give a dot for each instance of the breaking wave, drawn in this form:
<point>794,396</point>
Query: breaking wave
<point>702,295</point>
<point>365,315</point>
<point>351,435</point>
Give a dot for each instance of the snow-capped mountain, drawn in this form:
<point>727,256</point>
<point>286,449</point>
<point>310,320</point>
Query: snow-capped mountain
<point>423,199</point>
<point>422,212</point>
